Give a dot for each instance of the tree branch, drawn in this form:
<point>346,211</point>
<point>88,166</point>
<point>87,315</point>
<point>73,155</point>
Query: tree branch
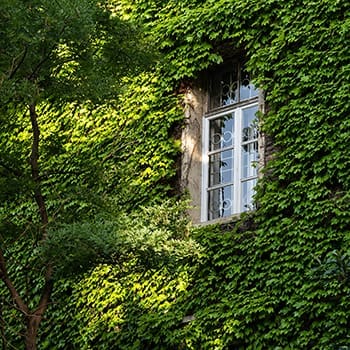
<point>45,294</point>
<point>34,163</point>
<point>18,65</point>
<point>35,317</point>
<point>13,291</point>
<point>45,58</point>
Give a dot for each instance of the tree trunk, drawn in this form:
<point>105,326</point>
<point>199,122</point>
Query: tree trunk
<point>34,319</point>
<point>32,326</point>
<point>2,327</point>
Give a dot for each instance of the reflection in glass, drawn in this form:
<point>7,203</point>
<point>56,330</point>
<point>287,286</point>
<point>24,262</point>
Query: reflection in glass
<point>221,132</point>
<point>220,202</point>
<point>249,124</point>
<point>228,87</point>
<point>228,92</point>
<point>247,195</point>
<point>224,88</point>
<point>249,160</point>
<point>246,87</point>
<point>249,148</point>
<point>221,168</point>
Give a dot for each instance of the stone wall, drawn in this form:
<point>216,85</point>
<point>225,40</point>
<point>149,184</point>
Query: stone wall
<point>195,103</point>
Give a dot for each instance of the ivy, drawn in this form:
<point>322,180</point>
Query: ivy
<point>279,286</point>
<point>277,280</point>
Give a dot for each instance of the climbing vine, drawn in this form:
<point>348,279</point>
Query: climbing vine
<point>279,279</point>
<point>283,283</point>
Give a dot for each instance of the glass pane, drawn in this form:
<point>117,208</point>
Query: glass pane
<point>249,159</point>
<point>247,195</point>
<point>221,131</point>
<point>249,124</point>
<point>221,168</point>
<point>246,87</point>
<point>224,88</point>
<point>220,202</point>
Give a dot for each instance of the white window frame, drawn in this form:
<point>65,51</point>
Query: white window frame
<point>236,108</point>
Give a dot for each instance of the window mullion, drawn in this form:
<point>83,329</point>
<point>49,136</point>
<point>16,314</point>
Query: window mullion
<point>237,162</point>
<point>205,170</point>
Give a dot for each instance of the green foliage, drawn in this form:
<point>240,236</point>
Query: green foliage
<point>120,307</point>
<point>62,61</point>
<point>26,272</point>
<point>93,158</point>
<point>142,157</point>
<point>154,236</point>
<point>234,297</point>
<point>55,53</point>
<point>151,243</point>
<point>60,50</point>
<point>282,283</point>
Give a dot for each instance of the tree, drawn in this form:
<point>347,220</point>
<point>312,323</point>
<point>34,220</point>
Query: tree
<point>52,53</point>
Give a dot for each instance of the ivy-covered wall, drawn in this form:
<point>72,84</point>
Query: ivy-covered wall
<point>281,282</point>
<point>280,279</point>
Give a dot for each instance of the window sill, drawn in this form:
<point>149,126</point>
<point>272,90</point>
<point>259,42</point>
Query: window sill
<point>221,221</point>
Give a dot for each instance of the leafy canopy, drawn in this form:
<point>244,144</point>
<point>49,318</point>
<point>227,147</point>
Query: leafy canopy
<point>65,50</point>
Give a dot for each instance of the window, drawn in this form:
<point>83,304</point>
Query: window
<point>230,145</point>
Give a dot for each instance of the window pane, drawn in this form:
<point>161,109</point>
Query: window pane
<point>249,124</point>
<point>221,168</point>
<point>220,202</point>
<point>247,195</point>
<point>221,131</point>
<point>224,88</point>
<point>249,158</point>
<point>246,87</point>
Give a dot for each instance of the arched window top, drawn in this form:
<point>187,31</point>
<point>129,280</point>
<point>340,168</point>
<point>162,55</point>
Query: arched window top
<point>229,85</point>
